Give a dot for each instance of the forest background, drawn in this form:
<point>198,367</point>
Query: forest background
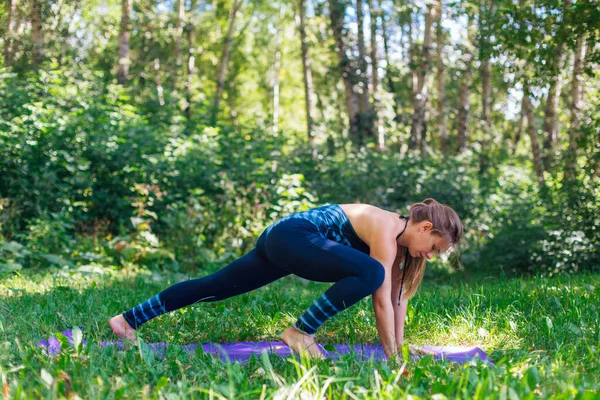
<point>167,134</point>
<point>185,127</point>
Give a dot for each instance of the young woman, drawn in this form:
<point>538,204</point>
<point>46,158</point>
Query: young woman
<point>358,246</point>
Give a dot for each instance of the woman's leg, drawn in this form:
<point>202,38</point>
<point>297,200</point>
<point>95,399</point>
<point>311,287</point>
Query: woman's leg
<point>296,247</point>
<point>245,274</point>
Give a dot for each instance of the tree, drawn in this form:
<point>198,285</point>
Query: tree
<point>575,107</point>
<point>377,120</point>
<point>8,36</point>
<point>421,91</point>
<point>124,33</point>
<point>441,83</point>
<point>36,32</point>
<point>336,12</point>
<point>224,59</point>
<point>191,60</point>
<point>465,91</point>
<point>485,71</point>
<point>532,132</point>
<point>550,112</point>
<point>306,71</point>
<point>364,105</point>
<point>179,12</point>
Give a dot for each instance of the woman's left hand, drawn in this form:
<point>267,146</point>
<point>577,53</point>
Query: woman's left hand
<point>419,350</point>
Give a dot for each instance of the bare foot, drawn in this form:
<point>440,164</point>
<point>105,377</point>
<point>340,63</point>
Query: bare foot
<point>300,342</point>
<point>121,328</point>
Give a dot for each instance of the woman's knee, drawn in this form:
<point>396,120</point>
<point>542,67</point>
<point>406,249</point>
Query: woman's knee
<point>373,277</point>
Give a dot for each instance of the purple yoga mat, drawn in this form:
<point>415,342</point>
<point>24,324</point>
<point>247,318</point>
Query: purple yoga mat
<point>242,351</point>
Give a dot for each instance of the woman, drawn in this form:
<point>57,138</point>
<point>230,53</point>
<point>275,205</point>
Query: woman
<point>358,246</point>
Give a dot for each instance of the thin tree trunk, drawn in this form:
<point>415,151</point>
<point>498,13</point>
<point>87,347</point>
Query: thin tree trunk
<point>364,104</point>
<point>17,31</point>
<point>8,37</point>
<point>465,92</point>
<point>417,136</point>
<point>179,10</point>
<point>388,73</point>
<point>124,42</point>
<point>551,116</point>
<point>191,61</point>
<point>224,60</point>
<point>276,68</point>
<point>36,32</point>
<point>234,114</point>
<point>441,84</point>
<point>347,73</point>
<point>532,131</point>
<point>377,120</point>
<point>576,100</point>
<point>517,137</point>
<point>412,56</point>
<point>485,71</point>
<point>157,81</point>
<point>307,74</point>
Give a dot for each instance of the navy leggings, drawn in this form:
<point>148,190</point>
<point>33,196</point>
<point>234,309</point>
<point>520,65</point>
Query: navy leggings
<point>291,246</point>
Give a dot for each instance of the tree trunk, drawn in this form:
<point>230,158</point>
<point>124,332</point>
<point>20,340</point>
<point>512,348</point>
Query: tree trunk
<point>465,92</point>
<point>576,99</point>
<point>276,68</point>
<point>158,83</point>
<point>551,117</point>
<point>388,73</point>
<point>124,42</point>
<point>532,131</point>
<point>191,61</point>
<point>485,71</point>
<point>364,104</point>
<point>347,72</point>
<point>307,74</point>
<point>419,122</point>
<point>517,137</point>
<point>441,83</point>
<point>179,10</point>
<point>377,120</point>
<point>9,34</point>
<point>412,55</point>
<point>36,32</point>
<point>224,60</point>
<point>17,31</point>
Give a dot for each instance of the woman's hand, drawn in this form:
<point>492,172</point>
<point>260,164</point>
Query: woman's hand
<point>419,351</point>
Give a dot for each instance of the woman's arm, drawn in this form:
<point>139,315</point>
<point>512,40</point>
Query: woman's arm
<point>384,251</point>
<point>399,310</point>
<point>400,316</point>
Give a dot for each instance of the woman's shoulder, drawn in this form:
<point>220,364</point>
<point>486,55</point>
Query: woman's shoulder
<point>370,221</point>
<point>367,210</point>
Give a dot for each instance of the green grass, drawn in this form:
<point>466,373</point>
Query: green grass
<point>542,333</point>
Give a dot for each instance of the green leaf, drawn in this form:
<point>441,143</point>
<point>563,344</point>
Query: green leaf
<point>54,259</point>
<point>405,352</point>
<point>77,338</point>
<point>13,247</point>
<point>46,377</point>
<point>10,266</point>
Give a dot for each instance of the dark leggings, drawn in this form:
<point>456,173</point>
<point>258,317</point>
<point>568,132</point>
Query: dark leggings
<point>292,246</point>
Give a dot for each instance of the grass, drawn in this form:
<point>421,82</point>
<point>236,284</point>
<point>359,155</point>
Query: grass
<point>542,333</point>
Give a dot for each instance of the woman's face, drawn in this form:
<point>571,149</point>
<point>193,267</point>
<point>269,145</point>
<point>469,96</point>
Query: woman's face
<point>425,244</point>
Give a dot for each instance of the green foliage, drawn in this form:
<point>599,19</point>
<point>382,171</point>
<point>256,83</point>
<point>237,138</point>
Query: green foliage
<point>83,160</point>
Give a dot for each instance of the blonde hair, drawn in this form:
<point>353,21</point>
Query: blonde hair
<point>446,224</point>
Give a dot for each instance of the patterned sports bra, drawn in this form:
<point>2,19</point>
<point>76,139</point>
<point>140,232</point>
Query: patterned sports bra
<point>332,223</point>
